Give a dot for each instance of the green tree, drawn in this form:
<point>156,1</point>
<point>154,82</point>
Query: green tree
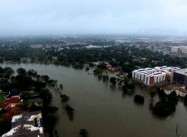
<point>21,71</point>
<point>113,81</point>
<point>83,133</point>
<point>65,99</point>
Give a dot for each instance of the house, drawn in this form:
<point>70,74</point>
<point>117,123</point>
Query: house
<point>10,99</point>
<point>112,69</point>
<point>12,93</point>
<point>122,74</point>
<point>177,88</point>
<point>11,102</point>
<point>28,124</point>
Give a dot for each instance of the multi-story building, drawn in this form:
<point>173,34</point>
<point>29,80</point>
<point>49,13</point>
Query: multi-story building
<point>27,125</point>
<point>152,76</point>
<point>180,77</point>
<point>179,49</point>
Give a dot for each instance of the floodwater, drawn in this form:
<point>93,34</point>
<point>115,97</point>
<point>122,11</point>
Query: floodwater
<point>105,111</point>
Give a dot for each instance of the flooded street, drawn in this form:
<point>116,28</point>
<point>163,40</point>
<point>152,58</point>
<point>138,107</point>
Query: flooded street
<point>103,111</point>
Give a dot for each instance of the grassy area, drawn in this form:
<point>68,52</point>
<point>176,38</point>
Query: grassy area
<point>2,97</point>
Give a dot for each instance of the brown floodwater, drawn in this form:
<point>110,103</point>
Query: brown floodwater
<point>106,111</point>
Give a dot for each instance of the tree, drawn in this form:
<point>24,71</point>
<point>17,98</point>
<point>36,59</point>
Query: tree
<point>185,100</point>
<point>45,78</point>
<point>46,96</point>
<point>124,88</point>
<point>97,71</point>
<point>113,81</point>
<point>61,86</point>
<point>152,94</point>
<point>105,77</point>
<point>166,105</point>
<point>87,69</point>
<point>21,71</point>
<point>32,73</point>
<point>8,71</point>
<point>83,133</point>
<point>139,99</point>
<point>65,99</point>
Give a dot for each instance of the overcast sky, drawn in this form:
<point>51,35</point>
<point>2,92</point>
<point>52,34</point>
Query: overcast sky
<point>39,17</point>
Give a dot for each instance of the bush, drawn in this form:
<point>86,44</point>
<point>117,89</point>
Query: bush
<point>139,99</point>
<point>113,81</point>
<point>97,71</point>
<point>83,133</point>
<point>162,109</point>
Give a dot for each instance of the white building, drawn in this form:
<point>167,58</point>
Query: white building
<point>152,76</point>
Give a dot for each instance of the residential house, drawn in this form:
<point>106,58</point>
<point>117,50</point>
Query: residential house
<point>28,124</point>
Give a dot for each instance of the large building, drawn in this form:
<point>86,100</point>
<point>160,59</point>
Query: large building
<point>153,76</point>
<point>180,77</point>
<point>179,49</point>
<point>26,125</point>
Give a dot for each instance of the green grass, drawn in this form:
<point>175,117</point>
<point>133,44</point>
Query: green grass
<point>1,97</point>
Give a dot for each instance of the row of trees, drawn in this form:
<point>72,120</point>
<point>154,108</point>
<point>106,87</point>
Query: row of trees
<point>127,57</point>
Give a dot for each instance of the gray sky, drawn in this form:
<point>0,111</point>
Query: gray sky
<point>38,17</point>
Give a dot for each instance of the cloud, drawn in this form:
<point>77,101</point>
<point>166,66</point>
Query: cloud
<point>20,17</point>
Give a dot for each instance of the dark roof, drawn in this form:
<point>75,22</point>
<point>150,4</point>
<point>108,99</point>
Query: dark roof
<point>27,133</point>
<point>32,113</point>
<point>13,92</point>
<point>21,123</point>
<point>23,132</point>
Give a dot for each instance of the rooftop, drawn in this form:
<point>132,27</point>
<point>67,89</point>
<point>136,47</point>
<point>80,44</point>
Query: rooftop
<point>13,92</point>
<point>26,125</point>
<point>182,71</point>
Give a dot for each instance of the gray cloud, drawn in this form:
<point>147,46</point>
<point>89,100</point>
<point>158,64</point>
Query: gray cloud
<point>22,17</point>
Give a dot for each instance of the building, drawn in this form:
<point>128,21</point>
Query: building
<point>10,99</point>
<point>180,77</point>
<point>179,49</point>
<point>174,49</point>
<point>26,125</point>
<point>10,102</point>
<point>177,88</point>
<point>12,93</point>
<point>153,76</point>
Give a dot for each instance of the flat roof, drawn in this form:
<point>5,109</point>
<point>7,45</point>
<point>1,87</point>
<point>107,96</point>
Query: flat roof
<point>182,71</point>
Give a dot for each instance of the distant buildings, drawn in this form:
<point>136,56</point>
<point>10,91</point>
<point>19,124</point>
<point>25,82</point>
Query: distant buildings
<point>153,76</point>
<point>97,47</point>
<point>36,46</point>
<point>179,49</point>
<point>113,69</point>
<point>28,124</point>
<point>177,88</point>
